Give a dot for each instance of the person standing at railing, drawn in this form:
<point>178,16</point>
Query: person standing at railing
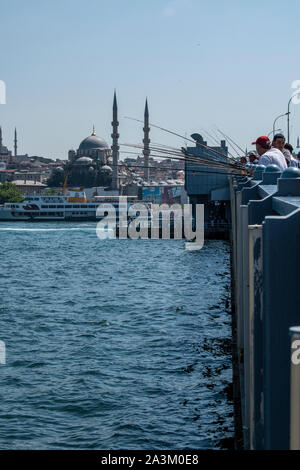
<point>288,156</point>
<point>268,155</point>
<point>253,158</point>
<point>278,141</point>
<point>293,161</point>
<point>285,148</point>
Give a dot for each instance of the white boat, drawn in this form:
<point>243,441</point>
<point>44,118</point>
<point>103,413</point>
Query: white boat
<point>72,205</point>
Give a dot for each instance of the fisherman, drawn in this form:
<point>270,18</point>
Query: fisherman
<point>253,158</point>
<point>268,155</point>
<point>292,162</point>
<point>287,156</point>
<point>278,141</point>
<point>243,160</point>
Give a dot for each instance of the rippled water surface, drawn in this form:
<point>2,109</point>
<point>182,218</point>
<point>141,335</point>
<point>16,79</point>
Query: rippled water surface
<point>112,344</point>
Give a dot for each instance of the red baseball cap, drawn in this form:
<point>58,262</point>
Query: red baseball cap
<point>261,140</point>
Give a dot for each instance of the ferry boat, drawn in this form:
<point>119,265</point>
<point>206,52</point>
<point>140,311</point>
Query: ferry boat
<point>72,205</point>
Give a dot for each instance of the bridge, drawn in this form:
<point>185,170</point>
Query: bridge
<point>265,214</point>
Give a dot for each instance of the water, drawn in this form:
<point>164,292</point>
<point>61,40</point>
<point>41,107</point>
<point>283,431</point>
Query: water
<point>114,344</point>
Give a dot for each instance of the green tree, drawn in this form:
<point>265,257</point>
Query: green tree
<point>10,193</point>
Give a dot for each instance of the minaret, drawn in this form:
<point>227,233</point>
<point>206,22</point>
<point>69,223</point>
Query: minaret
<point>146,142</point>
<point>16,143</point>
<point>0,139</point>
<point>115,147</point>
<point>298,144</point>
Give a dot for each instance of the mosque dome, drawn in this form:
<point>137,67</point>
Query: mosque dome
<point>83,161</point>
<point>106,168</point>
<point>93,142</point>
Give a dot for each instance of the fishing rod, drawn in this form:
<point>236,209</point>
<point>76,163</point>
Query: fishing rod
<point>161,128</point>
<point>242,172</point>
<point>205,164</point>
<point>216,141</point>
<point>194,161</point>
<point>229,162</point>
<point>231,140</point>
<point>182,137</point>
<point>183,151</point>
<point>233,148</point>
<point>165,146</point>
<point>186,159</point>
<point>189,157</point>
<point>237,155</point>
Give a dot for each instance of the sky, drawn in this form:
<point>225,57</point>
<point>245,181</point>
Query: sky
<point>226,64</point>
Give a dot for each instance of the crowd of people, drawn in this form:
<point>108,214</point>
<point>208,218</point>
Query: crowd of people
<point>278,152</point>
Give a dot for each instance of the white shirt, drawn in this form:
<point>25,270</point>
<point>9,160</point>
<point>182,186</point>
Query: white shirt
<point>273,157</point>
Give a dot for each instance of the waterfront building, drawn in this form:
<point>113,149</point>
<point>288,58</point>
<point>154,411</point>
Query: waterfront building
<point>29,187</point>
<point>35,176</point>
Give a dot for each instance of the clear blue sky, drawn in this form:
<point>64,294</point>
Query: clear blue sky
<point>226,63</point>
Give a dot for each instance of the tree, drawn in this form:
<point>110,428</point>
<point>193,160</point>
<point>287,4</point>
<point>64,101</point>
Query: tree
<point>10,193</point>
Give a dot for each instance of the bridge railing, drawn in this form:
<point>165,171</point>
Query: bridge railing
<point>266,260</point>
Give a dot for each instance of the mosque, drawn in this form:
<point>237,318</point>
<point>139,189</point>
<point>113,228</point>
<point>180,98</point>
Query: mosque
<point>91,164</point>
<point>95,163</point>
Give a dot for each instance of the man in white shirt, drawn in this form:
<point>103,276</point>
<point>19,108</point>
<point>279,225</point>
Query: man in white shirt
<point>268,155</point>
